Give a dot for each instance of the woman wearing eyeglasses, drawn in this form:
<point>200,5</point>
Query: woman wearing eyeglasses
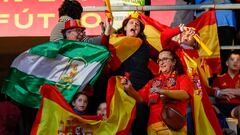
<point>173,84</point>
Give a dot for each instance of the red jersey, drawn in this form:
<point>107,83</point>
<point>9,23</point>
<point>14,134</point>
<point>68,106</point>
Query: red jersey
<point>225,81</point>
<point>173,82</point>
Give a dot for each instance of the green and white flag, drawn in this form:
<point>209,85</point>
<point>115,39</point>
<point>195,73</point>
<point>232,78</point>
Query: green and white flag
<point>69,65</point>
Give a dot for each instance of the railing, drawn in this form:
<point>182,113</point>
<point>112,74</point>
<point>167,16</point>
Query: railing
<point>230,47</point>
<point>162,8</point>
<point>169,7</point>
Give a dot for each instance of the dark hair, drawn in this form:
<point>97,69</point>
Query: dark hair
<point>124,23</point>
<point>71,8</point>
<point>77,95</point>
<point>236,52</point>
<point>178,66</point>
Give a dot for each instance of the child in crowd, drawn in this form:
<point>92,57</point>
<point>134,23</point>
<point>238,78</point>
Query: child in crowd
<point>80,103</point>
<point>102,110</point>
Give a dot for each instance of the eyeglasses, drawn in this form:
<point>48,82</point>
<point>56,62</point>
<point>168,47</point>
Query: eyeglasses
<point>77,30</point>
<point>163,60</point>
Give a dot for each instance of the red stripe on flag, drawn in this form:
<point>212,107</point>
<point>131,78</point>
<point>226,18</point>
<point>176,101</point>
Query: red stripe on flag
<point>154,23</point>
<point>207,18</point>
<point>52,93</point>
<point>215,64</point>
<point>110,92</point>
<point>115,62</point>
<point>210,113</point>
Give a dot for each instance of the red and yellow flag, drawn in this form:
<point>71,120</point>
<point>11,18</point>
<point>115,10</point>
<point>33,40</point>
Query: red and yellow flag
<point>153,31</point>
<point>55,116</point>
<point>206,27</point>
<point>108,11</point>
<point>205,120</point>
<point>122,47</point>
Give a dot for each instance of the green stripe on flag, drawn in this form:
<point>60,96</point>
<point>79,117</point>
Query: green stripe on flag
<point>24,88</point>
<point>71,49</point>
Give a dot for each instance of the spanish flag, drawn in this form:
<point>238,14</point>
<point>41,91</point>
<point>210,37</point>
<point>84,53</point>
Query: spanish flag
<point>205,120</point>
<point>122,47</point>
<point>55,116</point>
<point>205,25</point>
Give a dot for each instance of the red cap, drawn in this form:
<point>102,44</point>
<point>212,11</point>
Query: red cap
<point>70,24</point>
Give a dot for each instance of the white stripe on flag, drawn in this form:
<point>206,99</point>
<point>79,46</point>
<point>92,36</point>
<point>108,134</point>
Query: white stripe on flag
<point>77,72</point>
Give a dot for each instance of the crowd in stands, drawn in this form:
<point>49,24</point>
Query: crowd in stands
<point>174,86</point>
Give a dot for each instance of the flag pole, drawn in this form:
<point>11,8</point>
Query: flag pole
<point>108,12</point>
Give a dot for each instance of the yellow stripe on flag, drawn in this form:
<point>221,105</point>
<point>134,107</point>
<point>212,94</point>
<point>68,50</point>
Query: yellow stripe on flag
<point>55,118</point>
<point>204,47</point>
<point>203,126</point>
<point>153,37</point>
<point>109,10</point>
<point>119,116</point>
<point>212,43</point>
<point>125,46</point>
<point>189,61</point>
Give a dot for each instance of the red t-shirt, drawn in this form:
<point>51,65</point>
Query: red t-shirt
<point>173,82</point>
<point>225,81</point>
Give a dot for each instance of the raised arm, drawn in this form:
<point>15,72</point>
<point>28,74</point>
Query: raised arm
<point>130,90</point>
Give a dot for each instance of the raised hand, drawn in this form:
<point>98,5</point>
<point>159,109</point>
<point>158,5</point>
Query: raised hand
<point>108,27</point>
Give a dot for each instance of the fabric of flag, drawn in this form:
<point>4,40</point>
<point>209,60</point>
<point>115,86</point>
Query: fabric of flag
<point>55,116</point>
<point>108,12</point>
<point>205,26</point>
<point>205,120</point>
<point>204,116</point>
<point>122,47</point>
<point>153,31</point>
<point>69,65</point>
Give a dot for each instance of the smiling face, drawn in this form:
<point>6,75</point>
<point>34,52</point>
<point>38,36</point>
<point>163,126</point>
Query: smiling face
<point>75,34</point>
<point>132,28</point>
<point>80,103</point>
<point>166,62</point>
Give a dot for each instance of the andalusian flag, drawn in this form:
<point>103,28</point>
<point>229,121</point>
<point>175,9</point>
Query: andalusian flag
<point>55,116</point>
<point>68,65</point>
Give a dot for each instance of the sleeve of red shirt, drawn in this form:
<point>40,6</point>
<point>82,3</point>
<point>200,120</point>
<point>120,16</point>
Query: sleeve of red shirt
<point>167,34</point>
<point>144,92</point>
<point>215,85</point>
<point>186,84</point>
<point>105,40</point>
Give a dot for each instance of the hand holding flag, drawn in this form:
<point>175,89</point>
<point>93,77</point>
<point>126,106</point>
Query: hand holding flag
<point>192,32</point>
